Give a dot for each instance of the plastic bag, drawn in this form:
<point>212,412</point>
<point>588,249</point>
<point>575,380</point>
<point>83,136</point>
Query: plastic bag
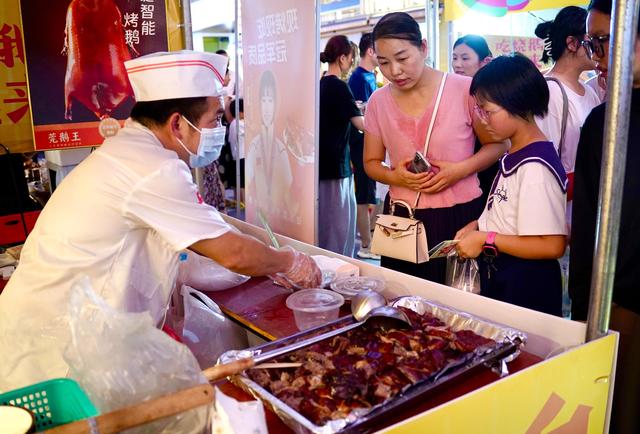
<point>202,273</point>
<point>206,331</point>
<point>463,273</point>
<point>120,359</point>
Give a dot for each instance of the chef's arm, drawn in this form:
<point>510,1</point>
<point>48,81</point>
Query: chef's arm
<point>244,254</point>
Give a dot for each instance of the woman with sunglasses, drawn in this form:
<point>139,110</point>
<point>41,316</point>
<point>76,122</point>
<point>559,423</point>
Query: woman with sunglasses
<point>397,120</point>
<point>597,44</point>
<point>563,45</point>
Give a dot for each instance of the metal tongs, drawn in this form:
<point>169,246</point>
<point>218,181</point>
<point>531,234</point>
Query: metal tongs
<point>367,307</point>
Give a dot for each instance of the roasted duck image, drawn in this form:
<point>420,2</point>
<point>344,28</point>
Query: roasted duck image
<point>96,51</point>
<point>366,367</point>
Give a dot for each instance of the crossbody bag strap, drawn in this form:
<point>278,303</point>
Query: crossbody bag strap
<point>565,113</point>
<point>431,124</point>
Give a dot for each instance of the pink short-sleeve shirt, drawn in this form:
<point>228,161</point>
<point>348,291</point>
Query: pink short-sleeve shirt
<point>452,139</point>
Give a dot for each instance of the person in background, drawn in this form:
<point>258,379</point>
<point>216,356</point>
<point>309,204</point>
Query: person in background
<point>563,44</point>
<point>599,85</point>
<point>213,189</point>
<point>362,83</point>
<point>625,310</point>
<point>398,116</point>
<point>236,142</point>
<point>124,215</point>
<point>470,53</point>
<point>338,113</point>
<point>522,230</point>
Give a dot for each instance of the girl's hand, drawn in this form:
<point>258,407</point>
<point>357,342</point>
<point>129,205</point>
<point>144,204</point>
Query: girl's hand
<point>473,226</point>
<point>449,173</point>
<point>410,180</point>
<point>470,246</point>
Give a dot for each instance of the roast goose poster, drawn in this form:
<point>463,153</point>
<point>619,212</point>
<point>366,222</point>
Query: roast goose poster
<point>75,52</point>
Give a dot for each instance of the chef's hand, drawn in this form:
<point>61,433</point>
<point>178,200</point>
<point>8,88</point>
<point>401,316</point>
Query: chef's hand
<point>470,245</point>
<point>448,174</point>
<point>302,273</point>
<point>410,180</point>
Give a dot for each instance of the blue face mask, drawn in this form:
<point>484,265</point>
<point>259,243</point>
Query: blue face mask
<point>209,148</point>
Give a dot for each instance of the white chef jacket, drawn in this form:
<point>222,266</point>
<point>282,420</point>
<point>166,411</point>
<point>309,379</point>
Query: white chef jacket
<point>121,218</point>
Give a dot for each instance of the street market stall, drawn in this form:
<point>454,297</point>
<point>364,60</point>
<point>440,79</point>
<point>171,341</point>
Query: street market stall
<point>559,380</point>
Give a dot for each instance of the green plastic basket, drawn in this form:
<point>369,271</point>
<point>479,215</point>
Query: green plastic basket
<point>52,402</point>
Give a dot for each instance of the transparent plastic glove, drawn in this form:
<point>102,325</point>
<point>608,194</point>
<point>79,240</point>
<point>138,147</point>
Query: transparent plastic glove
<point>303,273</point>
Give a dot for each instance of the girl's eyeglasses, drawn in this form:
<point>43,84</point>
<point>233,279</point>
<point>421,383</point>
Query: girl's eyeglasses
<point>595,45</point>
<point>483,114</point>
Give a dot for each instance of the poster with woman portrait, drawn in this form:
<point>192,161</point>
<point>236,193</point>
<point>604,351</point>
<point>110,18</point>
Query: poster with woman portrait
<point>280,69</point>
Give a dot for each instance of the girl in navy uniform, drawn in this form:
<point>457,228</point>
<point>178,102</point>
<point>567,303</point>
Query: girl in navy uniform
<point>522,230</point>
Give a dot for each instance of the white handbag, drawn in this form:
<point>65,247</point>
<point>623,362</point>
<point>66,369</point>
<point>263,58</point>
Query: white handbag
<point>402,238</point>
<point>405,238</point>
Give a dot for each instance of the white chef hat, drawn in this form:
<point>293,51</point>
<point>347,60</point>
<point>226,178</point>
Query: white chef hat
<point>176,74</point>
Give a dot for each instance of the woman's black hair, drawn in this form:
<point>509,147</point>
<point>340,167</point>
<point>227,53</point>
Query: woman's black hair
<point>515,84</point>
<point>398,25</point>
<point>603,6</point>
<point>338,45</point>
<point>570,21</point>
<point>477,43</point>
<point>156,113</point>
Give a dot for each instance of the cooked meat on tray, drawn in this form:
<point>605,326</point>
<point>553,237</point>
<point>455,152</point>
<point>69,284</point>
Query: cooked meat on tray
<point>365,366</point>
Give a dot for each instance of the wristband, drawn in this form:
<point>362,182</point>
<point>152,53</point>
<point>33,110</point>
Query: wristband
<point>489,248</point>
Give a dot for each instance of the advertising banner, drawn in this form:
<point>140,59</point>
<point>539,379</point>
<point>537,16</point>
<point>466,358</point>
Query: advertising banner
<point>454,9</point>
<point>532,48</point>
<point>75,52</point>
<point>15,123</point>
<point>280,81</point>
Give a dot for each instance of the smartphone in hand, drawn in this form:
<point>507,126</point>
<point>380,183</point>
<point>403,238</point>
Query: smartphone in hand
<point>420,164</point>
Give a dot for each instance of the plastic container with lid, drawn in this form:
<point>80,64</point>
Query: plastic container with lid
<point>348,287</point>
<point>314,307</point>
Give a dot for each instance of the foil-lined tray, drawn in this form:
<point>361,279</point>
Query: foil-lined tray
<point>507,348</point>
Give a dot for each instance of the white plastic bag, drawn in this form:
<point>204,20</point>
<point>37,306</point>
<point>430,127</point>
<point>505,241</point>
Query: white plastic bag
<point>202,273</point>
<point>206,331</point>
<point>120,359</point>
<point>462,273</point>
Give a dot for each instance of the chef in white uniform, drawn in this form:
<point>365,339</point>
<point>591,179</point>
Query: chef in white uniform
<point>124,214</point>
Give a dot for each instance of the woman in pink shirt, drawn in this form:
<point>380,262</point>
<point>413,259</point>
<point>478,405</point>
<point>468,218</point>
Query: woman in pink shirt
<point>398,116</point>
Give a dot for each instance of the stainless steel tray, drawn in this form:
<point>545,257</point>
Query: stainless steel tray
<point>507,347</point>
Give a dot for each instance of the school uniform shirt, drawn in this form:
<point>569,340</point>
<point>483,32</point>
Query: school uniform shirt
<point>528,194</point>
<point>121,218</point>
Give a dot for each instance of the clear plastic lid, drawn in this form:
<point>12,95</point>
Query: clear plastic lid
<point>350,286</point>
<point>314,300</point>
